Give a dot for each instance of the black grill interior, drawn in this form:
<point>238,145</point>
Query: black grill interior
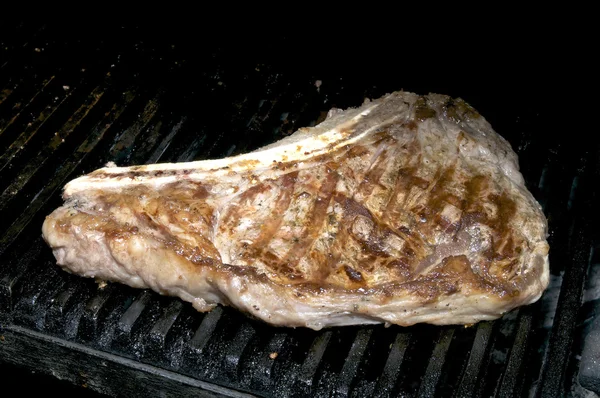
<point>72,100</point>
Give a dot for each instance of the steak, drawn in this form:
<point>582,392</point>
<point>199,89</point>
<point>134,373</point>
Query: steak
<point>407,209</point>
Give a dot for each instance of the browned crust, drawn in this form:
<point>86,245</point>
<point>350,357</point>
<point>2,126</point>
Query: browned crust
<point>410,211</point>
<point>454,272</point>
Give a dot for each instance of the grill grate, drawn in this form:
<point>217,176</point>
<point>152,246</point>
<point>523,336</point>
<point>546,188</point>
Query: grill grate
<point>69,104</point>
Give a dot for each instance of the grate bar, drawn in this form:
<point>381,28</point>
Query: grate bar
<point>206,329</point>
<point>310,365</point>
<point>121,148</point>
<point>129,321</point>
<point>19,145</point>
<point>509,383</point>
<point>472,374</point>
<point>190,152</point>
<point>267,360</point>
<point>17,91</point>
<point>235,350</point>
<point>43,155</point>
<point>259,127</point>
<point>436,363</point>
<point>157,134</point>
<point>566,317</point>
<point>13,273</point>
<point>89,326</point>
<point>65,170</point>
<point>158,153</point>
<point>391,370</point>
<point>348,373</point>
<point>580,250</point>
<point>32,306</point>
<point>134,311</point>
<point>64,303</point>
<point>157,337</point>
<point>6,123</point>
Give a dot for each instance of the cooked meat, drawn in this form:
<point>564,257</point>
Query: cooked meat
<point>407,209</point>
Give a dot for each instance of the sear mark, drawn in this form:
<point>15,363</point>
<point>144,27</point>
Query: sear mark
<point>353,275</point>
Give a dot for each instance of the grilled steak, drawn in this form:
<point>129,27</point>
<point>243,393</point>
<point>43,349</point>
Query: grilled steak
<point>407,209</point>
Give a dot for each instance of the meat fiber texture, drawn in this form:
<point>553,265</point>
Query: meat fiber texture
<point>408,209</point>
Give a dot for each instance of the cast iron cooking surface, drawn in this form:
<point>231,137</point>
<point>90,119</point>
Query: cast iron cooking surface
<point>72,99</point>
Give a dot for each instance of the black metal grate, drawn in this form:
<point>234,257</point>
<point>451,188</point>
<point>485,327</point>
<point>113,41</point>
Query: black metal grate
<point>69,103</point>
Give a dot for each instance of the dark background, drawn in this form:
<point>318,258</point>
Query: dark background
<point>21,382</point>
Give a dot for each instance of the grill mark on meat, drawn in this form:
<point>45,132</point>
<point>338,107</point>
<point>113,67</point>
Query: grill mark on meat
<point>475,188</point>
<point>452,270</point>
<point>377,166</point>
<point>232,215</point>
<point>506,211</point>
<point>148,222</point>
<point>437,196</point>
<point>458,110</point>
<point>314,222</point>
<point>371,245</point>
<point>373,176</point>
<point>356,151</point>
<point>272,224</point>
<point>436,191</point>
<point>365,188</point>
<point>401,267</point>
<point>201,191</point>
<point>353,210</point>
<point>353,275</point>
<point>275,265</point>
<point>454,274</point>
<point>203,253</point>
<point>335,251</point>
<point>405,179</point>
<point>477,193</point>
<point>503,246</point>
